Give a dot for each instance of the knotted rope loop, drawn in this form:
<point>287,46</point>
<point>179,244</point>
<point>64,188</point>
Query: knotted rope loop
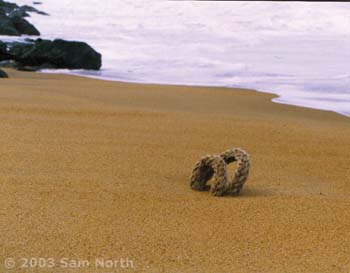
<point>215,166</point>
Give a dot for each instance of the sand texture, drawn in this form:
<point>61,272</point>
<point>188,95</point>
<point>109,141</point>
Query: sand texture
<point>95,169</point>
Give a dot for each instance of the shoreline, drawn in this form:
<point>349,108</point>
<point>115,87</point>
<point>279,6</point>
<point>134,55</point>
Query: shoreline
<point>274,99</point>
<point>97,169</point>
<point>292,87</point>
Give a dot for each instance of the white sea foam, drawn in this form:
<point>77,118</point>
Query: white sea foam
<point>301,51</point>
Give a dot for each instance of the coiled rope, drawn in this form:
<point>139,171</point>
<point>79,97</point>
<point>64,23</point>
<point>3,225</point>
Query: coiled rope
<point>215,166</point>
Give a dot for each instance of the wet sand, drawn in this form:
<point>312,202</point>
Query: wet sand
<point>96,169</point>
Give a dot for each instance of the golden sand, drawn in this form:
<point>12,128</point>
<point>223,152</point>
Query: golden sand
<point>95,169</point>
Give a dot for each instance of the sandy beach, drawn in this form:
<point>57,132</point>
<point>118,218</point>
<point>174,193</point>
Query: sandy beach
<point>95,169</point>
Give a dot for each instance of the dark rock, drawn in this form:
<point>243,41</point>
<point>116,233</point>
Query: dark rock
<point>7,27</point>
<point>12,20</point>
<point>17,49</point>
<point>55,54</point>
<point>7,7</point>
<point>37,3</point>
<point>30,40</point>
<point>15,65</point>
<point>15,25</point>
<point>27,8</point>
<point>18,13</point>
<point>10,7</point>
<point>3,74</point>
<point>3,51</point>
<point>3,48</point>
<point>24,27</point>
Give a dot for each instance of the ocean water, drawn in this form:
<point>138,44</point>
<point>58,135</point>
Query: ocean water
<point>298,50</point>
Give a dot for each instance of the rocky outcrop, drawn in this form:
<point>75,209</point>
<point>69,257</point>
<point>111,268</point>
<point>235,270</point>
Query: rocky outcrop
<point>13,22</point>
<point>7,7</point>
<point>32,55</point>
<point>41,54</point>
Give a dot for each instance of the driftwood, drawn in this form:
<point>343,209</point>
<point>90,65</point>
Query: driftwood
<point>215,166</point>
